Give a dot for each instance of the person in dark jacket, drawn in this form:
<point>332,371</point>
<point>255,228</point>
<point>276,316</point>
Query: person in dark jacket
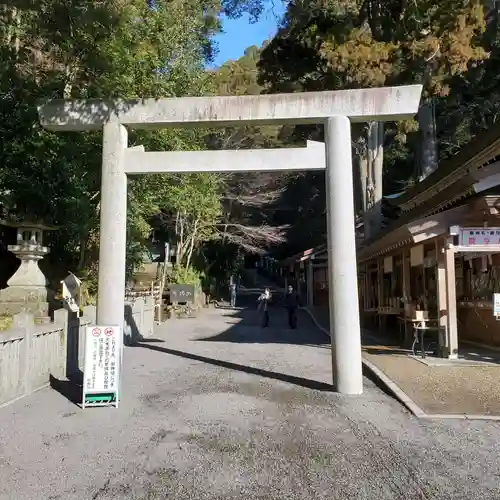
<point>232,293</point>
<point>292,303</point>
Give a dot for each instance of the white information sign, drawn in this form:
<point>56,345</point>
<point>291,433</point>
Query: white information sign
<point>103,349</point>
<point>479,236</point>
<point>496,305</point>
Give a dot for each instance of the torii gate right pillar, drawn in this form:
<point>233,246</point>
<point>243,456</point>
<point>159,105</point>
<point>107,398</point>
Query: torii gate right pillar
<point>342,273</point>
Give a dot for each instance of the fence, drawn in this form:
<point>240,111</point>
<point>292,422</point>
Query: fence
<point>139,319</point>
<point>30,354</point>
<point>153,292</point>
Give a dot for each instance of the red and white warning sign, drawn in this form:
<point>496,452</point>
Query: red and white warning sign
<point>103,352</point>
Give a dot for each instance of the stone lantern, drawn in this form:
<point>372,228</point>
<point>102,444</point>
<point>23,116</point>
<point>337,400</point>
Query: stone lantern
<point>27,289</point>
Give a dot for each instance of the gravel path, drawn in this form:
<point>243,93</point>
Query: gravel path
<point>470,390</point>
<point>217,408</point>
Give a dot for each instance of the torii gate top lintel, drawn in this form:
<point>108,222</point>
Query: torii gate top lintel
<point>360,105</point>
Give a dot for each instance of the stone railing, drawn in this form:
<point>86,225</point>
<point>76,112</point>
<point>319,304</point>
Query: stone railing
<point>139,319</point>
<point>30,354</point>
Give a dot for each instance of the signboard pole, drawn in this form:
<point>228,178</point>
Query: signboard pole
<point>102,369</point>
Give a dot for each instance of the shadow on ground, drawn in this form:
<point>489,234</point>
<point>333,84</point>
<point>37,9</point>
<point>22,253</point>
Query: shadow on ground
<point>387,350</point>
<point>71,389</point>
<point>306,334</point>
<point>244,326</point>
<point>303,382</point>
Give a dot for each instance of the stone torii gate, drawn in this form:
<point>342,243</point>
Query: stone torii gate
<point>335,109</point>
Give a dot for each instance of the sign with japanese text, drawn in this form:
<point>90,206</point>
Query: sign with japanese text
<point>479,236</point>
<point>181,293</point>
<point>496,305</point>
<point>103,349</point>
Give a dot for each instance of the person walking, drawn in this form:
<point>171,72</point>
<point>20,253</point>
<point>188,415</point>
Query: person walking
<point>232,293</point>
<point>292,304</point>
<point>264,299</point>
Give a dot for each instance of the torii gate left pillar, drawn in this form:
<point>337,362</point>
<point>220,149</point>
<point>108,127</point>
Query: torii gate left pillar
<point>334,109</point>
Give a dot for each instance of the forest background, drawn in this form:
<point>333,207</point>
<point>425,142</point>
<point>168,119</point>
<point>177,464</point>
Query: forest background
<point>131,48</point>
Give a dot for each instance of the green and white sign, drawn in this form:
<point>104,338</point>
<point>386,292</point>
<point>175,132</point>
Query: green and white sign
<point>101,378</point>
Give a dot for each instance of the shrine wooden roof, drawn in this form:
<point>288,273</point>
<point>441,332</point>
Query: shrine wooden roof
<point>479,152</point>
<point>471,173</point>
<point>474,169</point>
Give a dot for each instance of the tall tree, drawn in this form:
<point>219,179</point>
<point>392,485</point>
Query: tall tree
<point>473,102</point>
<point>247,196</point>
<point>353,44</point>
<point>83,49</point>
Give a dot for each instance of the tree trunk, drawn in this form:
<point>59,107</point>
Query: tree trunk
<point>191,245</point>
<point>374,187</point>
<point>70,74</point>
<point>179,243</point>
<point>363,176</point>
<point>83,248</point>
<point>17,23</point>
<point>428,157</point>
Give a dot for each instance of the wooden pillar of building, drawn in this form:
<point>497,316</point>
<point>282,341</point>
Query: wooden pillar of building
<point>406,270</point>
<point>447,299</point>
<point>380,282</point>
<point>380,291</point>
<point>310,283</point>
<point>365,286</point>
<point>451,299</point>
<point>442,296</point>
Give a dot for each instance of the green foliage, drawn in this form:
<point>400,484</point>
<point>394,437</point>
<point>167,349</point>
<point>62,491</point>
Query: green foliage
<point>88,292</point>
<point>195,198</point>
<point>239,77</point>
<point>473,103</point>
<point>186,276</point>
<point>191,207</point>
<point>79,49</point>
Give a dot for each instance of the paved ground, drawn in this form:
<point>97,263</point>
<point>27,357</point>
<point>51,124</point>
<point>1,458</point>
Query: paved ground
<point>217,408</point>
<point>463,387</point>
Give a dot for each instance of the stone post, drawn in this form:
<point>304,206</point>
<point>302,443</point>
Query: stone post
<point>24,322</point>
<point>61,318</point>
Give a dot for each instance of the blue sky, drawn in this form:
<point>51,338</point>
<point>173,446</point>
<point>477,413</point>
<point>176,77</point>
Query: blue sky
<point>240,33</point>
